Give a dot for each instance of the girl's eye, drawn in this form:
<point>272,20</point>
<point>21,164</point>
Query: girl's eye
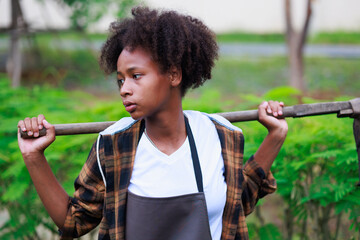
<point>136,76</point>
<point>120,82</point>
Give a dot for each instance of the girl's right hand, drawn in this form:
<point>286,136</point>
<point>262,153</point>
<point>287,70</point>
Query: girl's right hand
<point>32,127</point>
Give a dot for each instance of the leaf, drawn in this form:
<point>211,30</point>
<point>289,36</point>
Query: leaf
<point>15,191</point>
<point>287,94</point>
<point>269,232</point>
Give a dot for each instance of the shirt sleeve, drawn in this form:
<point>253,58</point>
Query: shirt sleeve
<point>257,185</point>
<point>85,208</point>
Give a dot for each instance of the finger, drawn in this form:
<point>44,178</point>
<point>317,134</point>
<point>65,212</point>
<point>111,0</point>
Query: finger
<point>35,126</point>
<point>281,105</point>
<point>28,126</point>
<point>40,121</point>
<point>262,109</point>
<point>50,129</point>
<point>263,106</point>
<point>21,125</point>
<point>272,109</point>
<point>268,109</point>
<point>18,133</point>
<point>46,124</point>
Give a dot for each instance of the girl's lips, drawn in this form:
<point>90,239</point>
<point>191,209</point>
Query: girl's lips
<point>130,107</point>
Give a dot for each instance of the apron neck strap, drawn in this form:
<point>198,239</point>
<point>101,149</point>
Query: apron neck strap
<point>142,128</point>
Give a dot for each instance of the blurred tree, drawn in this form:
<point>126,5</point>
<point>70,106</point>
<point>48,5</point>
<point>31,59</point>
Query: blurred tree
<point>17,27</point>
<point>295,42</point>
<point>86,12</point>
<point>83,14</point>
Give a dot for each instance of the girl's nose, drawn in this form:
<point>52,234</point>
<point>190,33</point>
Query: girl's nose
<point>125,88</point>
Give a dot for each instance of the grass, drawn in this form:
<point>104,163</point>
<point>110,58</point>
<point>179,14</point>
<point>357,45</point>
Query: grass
<point>339,37</point>
<point>44,38</point>
<point>71,35</point>
<point>336,38</point>
<point>231,77</point>
<point>250,37</point>
<point>316,38</point>
<point>325,77</point>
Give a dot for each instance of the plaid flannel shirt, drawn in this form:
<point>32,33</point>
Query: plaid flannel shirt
<point>95,203</point>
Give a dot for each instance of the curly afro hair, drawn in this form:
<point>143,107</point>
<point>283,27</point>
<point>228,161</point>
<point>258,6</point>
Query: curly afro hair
<point>173,40</point>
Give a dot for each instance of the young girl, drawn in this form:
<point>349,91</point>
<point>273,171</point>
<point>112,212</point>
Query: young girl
<point>164,173</point>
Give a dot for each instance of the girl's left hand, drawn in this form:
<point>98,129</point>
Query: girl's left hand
<point>270,115</point>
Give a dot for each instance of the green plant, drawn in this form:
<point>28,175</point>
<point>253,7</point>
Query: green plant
<point>316,169</point>
<point>85,12</point>
<point>316,172</point>
<point>66,155</point>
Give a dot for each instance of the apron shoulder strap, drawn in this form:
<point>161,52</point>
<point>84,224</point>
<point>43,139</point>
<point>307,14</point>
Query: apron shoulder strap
<point>194,156</point>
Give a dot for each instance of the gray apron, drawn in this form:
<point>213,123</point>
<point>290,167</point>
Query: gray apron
<point>182,217</point>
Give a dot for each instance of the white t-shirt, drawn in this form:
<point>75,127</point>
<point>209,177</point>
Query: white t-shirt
<point>156,174</point>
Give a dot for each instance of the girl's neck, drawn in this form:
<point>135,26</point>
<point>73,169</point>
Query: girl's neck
<point>167,131</point>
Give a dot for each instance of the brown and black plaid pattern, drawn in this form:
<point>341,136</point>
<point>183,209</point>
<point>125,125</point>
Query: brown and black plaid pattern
<point>245,184</point>
<point>93,203</point>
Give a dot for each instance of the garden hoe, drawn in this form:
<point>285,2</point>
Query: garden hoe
<point>342,109</point>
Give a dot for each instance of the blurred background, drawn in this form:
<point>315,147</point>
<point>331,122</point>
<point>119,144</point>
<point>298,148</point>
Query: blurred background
<point>298,52</point>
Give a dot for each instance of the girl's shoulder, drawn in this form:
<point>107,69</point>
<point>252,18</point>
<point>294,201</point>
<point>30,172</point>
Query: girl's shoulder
<point>201,119</point>
<point>122,125</point>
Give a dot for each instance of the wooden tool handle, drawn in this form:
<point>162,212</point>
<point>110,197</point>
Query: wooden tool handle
<point>73,128</point>
<point>343,109</point>
<point>96,127</point>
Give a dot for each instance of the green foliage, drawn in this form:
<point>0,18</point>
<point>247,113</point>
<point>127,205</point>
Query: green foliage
<point>265,232</point>
<point>65,68</point>
<point>332,76</point>
<point>316,169</point>
<point>209,101</point>
<point>86,12</point>
<point>66,155</point>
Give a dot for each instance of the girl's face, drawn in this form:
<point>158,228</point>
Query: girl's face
<point>144,89</point>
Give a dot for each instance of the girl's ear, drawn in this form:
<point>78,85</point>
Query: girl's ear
<point>175,76</point>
